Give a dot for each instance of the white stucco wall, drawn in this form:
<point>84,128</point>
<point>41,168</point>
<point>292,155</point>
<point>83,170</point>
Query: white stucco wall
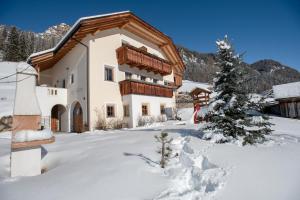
<point>74,62</point>
<point>103,47</point>
<point>48,97</point>
<point>26,162</point>
<point>135,106</point>
<point>26,102</point>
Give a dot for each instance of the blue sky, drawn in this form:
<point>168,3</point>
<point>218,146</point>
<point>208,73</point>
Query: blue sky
<point>262,29</point>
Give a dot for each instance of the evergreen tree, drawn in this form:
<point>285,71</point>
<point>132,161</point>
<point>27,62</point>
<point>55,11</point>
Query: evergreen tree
<point>12,46</point>
<point>165,149</point>
<point>31,42</point>
<point>258,121</point>
<point>23,47</point>
<point>3,36</point>
<point>228,110</point>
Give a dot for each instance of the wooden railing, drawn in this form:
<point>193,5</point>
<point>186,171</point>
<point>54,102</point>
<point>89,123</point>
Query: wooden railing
<point>144,88</point>
<point>140,58</point>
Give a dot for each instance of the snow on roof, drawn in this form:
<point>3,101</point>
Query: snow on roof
<point>72,29</point>
<point>24,67</point>
<point>188,86</point>
<point>287,90</point>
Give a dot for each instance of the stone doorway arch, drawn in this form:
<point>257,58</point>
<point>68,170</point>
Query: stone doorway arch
<point>58,118</point>
<point>77,118</point>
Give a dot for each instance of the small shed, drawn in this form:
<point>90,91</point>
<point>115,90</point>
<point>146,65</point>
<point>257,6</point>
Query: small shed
<point>200,98</point>
<point>288,96</point>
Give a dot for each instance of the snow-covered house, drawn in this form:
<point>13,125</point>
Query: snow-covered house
<point>288,96</point>
<point>114,67</point>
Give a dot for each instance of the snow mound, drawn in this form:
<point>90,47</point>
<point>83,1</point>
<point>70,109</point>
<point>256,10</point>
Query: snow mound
<point>193,176</point>
<point>214,137</point>
<point>30,135</point>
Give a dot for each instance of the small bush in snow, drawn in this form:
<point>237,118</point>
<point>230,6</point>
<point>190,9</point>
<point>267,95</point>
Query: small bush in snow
<point>161,118</point>
<point>101,123</point>
<point>116,123</point>
<point>145,120</point>
<point>165,149</point>
<point>176,114</point>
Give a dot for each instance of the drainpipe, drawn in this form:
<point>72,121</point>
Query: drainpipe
<point>87,81</point>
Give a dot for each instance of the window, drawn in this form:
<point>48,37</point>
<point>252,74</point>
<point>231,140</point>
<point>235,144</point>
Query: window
<point>155,80</point>
<point>64,83</point>
<point>108,74</point>
<point>72,78</point>
<point>162,109</point>
<point>145,111</point>
<point>126,110</point>
<point>143,78</point>
<point>110,111</point>
<point>166,83</point>
<point>128,75</point>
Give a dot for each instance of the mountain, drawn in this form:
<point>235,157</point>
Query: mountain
<point>200,67</point>
<point>260,76</point>
<point>34,41</point>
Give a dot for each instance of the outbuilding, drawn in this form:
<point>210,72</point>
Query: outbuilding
<point>288,96</point>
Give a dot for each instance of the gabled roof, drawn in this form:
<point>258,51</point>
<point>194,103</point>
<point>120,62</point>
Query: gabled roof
<point>288,90</point>
<point>89,25</point>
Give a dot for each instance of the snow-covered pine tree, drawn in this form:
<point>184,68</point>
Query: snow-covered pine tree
<point>227,110</point>
<point>165,149</point>
<point>12,46</point>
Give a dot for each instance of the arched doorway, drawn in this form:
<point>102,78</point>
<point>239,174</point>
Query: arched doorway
<point>77,118</point>
<point>57,118</point>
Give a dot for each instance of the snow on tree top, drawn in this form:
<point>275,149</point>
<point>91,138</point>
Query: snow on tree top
<point>287,90</point>
<point>223,44</point>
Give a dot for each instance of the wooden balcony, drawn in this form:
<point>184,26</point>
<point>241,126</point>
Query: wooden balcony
<point>139,57</point>
<point>143,88</point>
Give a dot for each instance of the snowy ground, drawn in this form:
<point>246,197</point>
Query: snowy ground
<point>7,87</point>
<point>123,165</point>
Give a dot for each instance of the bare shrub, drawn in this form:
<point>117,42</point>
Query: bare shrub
<point>176,114</point>
<point>161,118</point>
<point>101,123</point>
<point>145,120</point>
<point>117,124</point>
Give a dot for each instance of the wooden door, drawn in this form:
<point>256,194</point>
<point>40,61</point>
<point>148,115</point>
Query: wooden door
<point>54,119</point>
<point>77,119</point>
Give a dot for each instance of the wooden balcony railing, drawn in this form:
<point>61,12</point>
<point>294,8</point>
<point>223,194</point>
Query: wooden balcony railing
<point>140,58</point>
<point>144,88</point>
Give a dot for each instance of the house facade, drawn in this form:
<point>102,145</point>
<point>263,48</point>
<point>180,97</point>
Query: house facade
<point>112,68</point>
<point>288,97</point>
